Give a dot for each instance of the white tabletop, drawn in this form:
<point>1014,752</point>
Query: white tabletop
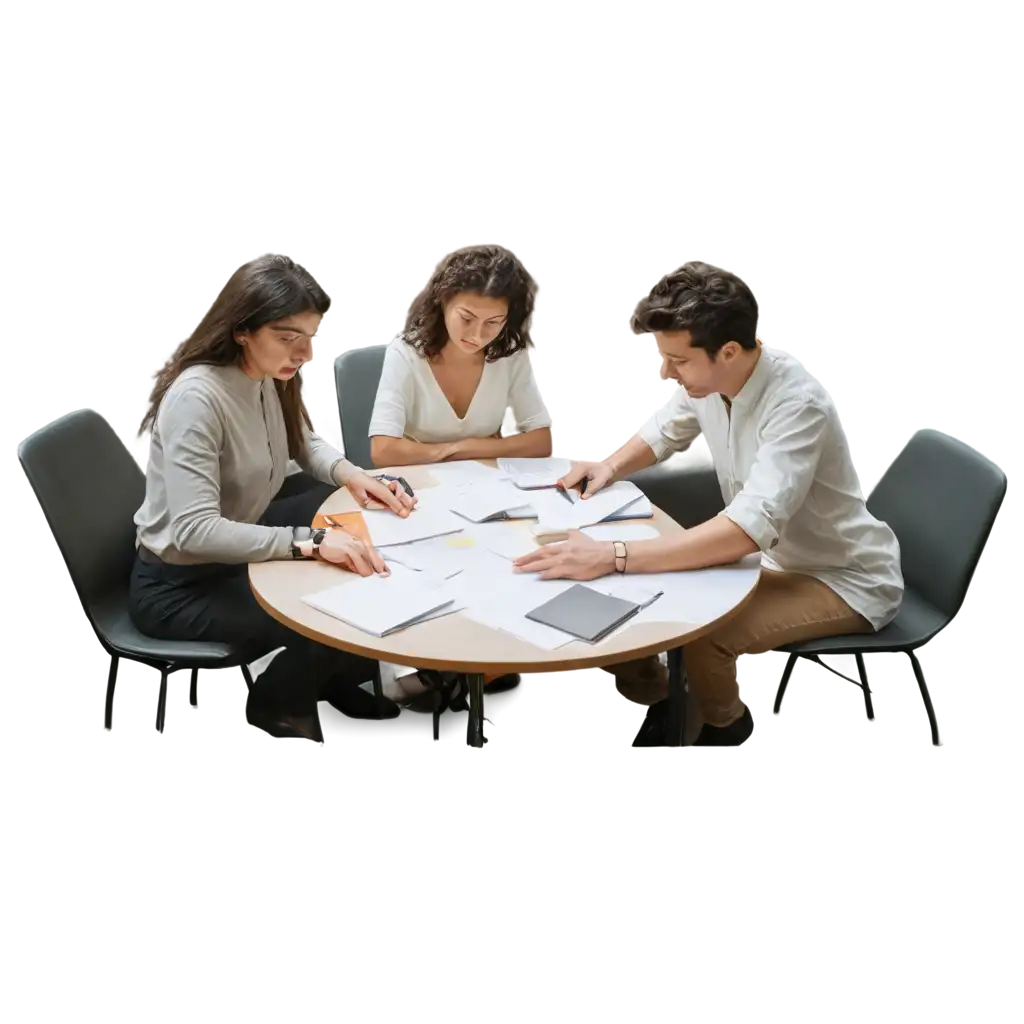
<point>700,601</point>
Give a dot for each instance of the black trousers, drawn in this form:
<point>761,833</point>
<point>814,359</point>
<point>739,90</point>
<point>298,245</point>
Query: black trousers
<point>215,602</point>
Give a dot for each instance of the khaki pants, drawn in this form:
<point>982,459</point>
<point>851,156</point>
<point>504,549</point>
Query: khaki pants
<point>787,607</point>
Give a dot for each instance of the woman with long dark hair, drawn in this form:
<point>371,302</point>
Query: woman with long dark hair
<point>226,415</point>
<point>460,363</point>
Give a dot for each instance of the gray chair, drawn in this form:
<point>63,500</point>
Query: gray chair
<point>90,488</point>
<point>941,498</point>
<point>356,376</point>
<point>685,486</point>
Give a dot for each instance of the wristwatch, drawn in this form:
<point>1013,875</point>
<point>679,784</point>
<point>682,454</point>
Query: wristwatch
<point>306,541</point>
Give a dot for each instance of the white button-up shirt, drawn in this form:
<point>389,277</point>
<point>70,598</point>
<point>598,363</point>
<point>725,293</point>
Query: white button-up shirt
<point>784,467</point>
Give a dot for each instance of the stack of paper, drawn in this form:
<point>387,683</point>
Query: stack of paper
<point>380,605</point>
<point>386,528</point>
<point>485,501</point>
<point>532,473</point>
<point>556,515</point>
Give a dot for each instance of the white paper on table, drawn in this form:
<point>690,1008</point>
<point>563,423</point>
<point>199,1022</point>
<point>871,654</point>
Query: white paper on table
<point>556,515</point>
<point>698,595</point>
<point>441,556</point>
<point>484,500</point>
<point>381,605</point>
<point>503,539</point>
<point>386,528</point>
<point>462,472</point>
<point>492,594</point>
<point>530,474</point>
<point>620,531</point>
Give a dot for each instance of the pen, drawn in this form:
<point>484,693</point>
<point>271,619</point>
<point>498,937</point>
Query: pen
<point>401,479</point>
<point>564,492</point>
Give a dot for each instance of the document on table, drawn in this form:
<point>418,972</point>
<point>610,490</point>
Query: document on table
<point>463,472</point>
<point>531,473</point>
<point>439,556</point>
<point>381,605</point>
<point>556,515</point>
<point>625,531</point>
<point>484,501</point>
<point>386,528</point>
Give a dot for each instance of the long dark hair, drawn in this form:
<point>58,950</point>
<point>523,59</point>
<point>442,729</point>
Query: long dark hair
<point>486,270</point>
<point>259,292</point>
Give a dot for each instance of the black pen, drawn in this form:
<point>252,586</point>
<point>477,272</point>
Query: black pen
<point>401,479</point>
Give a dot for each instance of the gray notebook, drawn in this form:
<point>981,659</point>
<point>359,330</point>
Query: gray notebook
<point>584,613</point>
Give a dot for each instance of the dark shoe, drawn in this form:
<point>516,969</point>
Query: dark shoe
<point>302,727</point>
<point>503,683</point>
<point>355,702</point>
<point>654,730</point>
<point>731,735</point>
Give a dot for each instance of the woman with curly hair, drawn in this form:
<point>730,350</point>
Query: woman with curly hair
<point>461,361</point>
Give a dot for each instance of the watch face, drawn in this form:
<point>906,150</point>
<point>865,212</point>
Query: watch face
<point>318,535</point>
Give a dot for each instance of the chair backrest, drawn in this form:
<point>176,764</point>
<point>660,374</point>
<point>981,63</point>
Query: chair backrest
<point>90,488</point>
<point>356,376</point>
<point>941,498</point>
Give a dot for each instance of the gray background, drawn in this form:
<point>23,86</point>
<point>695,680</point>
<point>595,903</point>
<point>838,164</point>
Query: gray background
<point>140,154</point>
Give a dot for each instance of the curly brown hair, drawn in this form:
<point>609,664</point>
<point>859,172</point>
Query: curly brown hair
<point>486,270</point>
<point>712,304</point>
<point>260,292</point>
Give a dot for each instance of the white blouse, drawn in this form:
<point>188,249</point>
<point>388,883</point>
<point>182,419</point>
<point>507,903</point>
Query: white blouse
<point>410,402</point>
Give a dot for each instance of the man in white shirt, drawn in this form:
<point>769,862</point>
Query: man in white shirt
<point>783,463</point>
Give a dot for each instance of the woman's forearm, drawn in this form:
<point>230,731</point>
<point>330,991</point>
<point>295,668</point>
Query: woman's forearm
<point>401,451</point>
<point>534,444</point>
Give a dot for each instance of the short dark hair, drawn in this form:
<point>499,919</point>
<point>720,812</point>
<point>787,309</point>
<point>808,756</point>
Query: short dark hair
<point>486,270</point>
<point>713,305</point>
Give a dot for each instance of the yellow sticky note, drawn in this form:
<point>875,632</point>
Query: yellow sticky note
<point>461,542</point>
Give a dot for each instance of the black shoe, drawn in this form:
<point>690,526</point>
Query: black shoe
<point>284,726</point>
<point>654,731</point>
<point>731,735</point>
<point>274,729</point>
<point>355,702</point>
<point>503,683</point>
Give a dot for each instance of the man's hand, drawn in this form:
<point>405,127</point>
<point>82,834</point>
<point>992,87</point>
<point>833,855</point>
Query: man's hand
<point>578,558</point>
<point>596,476</point>
<point>350,552</point>
<point>371,493</point>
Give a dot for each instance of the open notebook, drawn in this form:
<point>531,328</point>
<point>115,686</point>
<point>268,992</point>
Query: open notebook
<point>380,605</point>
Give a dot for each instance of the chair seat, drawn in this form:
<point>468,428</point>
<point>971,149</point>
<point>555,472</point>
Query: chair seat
<point>915,624</point>
<point>114,624</point>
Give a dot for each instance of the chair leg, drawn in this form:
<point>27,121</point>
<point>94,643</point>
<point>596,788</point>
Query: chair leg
<point>193,690</point>
<point>926,697</point>
<point>862,672</point>
<point>378,689</point>
<point>162,697</point>
<point>111,721</point>
<point>780,697</point>
<point>247,676</point>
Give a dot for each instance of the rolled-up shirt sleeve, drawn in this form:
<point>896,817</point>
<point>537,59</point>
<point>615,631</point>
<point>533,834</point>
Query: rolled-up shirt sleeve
<point>792,439</point>
<point>673,428</point>
<point>394,394</point>
<point>528,407</point>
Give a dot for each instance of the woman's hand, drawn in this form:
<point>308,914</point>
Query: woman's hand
<point>370,492</point>
<point>350,552</point>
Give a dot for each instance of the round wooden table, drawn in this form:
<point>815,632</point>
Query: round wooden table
<point>459,644</point>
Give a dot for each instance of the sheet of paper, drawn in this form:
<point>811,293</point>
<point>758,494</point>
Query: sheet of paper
<point>483,500</point>
<point>620,531</point>
<point>424,521</point>
<point>505,539</point>
<point>697,595</point>
<point>460,473</point>
<point>528,474</point>
<point>556,515</point>
<point>382,604</point>
<point>441,556</point>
